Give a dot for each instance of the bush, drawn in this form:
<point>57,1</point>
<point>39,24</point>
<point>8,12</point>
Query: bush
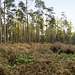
<point>62,48</point>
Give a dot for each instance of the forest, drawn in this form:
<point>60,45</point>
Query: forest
<point>20,24</point>
<point>35,41</point>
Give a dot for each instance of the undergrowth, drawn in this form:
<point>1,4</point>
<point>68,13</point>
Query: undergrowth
<point>37,59</point>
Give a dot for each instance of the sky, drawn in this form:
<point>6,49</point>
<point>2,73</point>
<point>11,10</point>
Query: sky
<point>67,6</point>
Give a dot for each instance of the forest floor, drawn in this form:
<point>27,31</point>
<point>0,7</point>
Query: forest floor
<point>37,59</point>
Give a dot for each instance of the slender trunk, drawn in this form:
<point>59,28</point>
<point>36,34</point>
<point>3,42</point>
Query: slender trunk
<point>42,36</point>
<point>38,31</point>
<point>46,28</point>
<point>18,33</point>
<point>32,31</point>
<point>52,37</point>
<point>10,35</point>
<point>50,34</point>
<point>15,34</point>
<point>64,37</point>
<point>4,25</point>
<point>26,38</point>
<point>46,33</point>
<point>0,25</point>
<point>7,27</point>
<point>24,33</point>
<point>29,40</point>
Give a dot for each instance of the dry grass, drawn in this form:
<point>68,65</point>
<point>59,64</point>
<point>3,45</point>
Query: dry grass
<point>50,59</point>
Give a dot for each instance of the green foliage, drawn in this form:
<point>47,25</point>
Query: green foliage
<point>40,3</point>
<point>57,56</point>
<point>66,56</point>
<point>73,38</point>
<point>22,59</point>
<point>25,59</point>
<point>8,66</point>
<point>3,54</point>
<point>1,65</point>
<point>9,3</point>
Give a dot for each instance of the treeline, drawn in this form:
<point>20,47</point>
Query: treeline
<point>19,24</point>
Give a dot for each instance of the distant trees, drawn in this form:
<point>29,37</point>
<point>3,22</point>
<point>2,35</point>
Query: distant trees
<point>40,25</point>
<point>21,12</point>
<point>69,33</point>
<point>9,13</point>
<point>73,38</point>
<point>39,4</point>
<point>29,39</point>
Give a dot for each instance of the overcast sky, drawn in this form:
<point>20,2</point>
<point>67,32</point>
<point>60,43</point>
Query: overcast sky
<point>67,6</point>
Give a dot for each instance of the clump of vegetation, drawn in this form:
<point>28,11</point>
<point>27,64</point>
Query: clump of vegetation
<point>62,48</point>
<point>55,47</point>
<point>26,59</point>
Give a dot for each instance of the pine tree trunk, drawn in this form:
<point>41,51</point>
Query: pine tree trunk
<point>4,25</point>
<point>32,31</point>
<point>15,34</point>
<point>42,36</point>
<point>18,33</point>
<point>39,33</point>
<point>24,35</point>
<point>46,28</point>
<point>36,33</point>
<point>10,35</point>
<point>0,25</point>
<point>50,34</point>
<point>7,27</point>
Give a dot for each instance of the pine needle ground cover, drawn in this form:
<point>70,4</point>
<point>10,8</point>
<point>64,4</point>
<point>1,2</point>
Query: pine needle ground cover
<point>37,59</point>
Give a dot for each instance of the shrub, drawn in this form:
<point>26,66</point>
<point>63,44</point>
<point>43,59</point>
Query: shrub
<point>62,48</point>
